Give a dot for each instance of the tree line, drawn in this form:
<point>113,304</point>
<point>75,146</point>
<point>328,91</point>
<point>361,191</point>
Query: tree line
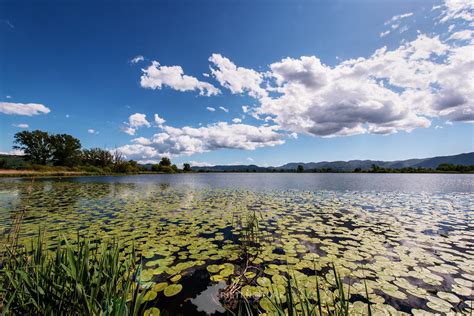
<point>62,150</point>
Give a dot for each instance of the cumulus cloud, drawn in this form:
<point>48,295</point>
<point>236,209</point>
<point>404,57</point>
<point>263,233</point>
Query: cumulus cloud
<point>224,109</point>
<point>21,125</point>
<point>236,79</point>
<point>458,9</point>
<point>136,121</point>
<point>156,76</point>
<point>137,59</point>
<point>200,164</point>
<point>383,34</point>
<point>129,130</point>
<point>392,90</point>
<point>28,109</point>
<point>388,92</point>
<point>210,109</point>
<point>92,131</point>
<point>172,141</point>
<point>159,120</point>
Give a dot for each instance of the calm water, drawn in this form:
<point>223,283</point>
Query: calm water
<point>409,237</point>
<point>308,182</point>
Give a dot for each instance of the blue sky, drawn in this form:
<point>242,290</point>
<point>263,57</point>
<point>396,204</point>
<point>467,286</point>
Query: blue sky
<point>69,67</point>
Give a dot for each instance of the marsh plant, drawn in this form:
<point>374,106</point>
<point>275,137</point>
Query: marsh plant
<point>79,278</point>
<point>286,295</point>
<point>249,229</point>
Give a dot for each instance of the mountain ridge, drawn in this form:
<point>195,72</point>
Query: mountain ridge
<point>465,159</point>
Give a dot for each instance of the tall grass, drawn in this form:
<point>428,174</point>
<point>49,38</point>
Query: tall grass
<point>72,279</point>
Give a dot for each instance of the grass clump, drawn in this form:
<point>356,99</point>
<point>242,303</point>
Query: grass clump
<point>79,278</point>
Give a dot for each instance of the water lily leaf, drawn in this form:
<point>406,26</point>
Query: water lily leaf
<point>172,289</point>
<point>154,311</point>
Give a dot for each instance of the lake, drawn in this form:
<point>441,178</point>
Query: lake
<point>408,237</point>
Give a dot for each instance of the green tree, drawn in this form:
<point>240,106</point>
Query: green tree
<point>186,167</point>
<point>300,168</point>
<point>65,149</point>
<point>36,145</point>
<point>97,157</point>
<point>165,162</point>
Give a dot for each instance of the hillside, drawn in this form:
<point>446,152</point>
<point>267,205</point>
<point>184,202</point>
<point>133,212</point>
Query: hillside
<point>466,159</point>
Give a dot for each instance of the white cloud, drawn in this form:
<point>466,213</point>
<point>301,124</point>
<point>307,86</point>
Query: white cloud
<point>392,90</point>
<point>458,9</point>
<point>200,164</point>
<point>16,152</point>
<point>137,59</point>
<point>224,109</point>
<point>236,79</point>
<point>92,131</point>
<point>172,141</point>
<point>398,17</point>
<point>159,120</point>
<point>129,130</point>
<point>394,23</point>
<point>157,76</point>
<point>135,121</point>
<point>210,109</point>
<point>142,141</point>
<point>21,125</point>
<point>138,120</point>
<point>8,96</point>
<point>28,109</point>
<point>249,158</point>
<point>464,35</point>
<point>236,120</point>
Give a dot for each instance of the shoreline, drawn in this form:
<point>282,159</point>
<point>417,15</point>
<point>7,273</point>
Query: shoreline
<point>9,173</point>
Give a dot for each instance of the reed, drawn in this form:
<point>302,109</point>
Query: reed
<point>71,279</point>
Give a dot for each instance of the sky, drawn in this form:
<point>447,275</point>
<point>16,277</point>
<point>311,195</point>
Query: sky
<point>242,82</point>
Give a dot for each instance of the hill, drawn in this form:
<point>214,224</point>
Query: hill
<point>466,159</point>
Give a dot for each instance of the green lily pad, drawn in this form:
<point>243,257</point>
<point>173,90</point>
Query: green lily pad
<point>154,311</point>
<point>172,289</point>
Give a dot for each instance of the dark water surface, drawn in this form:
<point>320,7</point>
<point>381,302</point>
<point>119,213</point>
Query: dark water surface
<point>409,237</point>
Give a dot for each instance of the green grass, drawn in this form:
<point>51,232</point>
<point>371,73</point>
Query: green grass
<point>71,279</point>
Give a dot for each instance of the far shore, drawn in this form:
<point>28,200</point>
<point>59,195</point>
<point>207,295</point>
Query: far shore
<point>11,173</point>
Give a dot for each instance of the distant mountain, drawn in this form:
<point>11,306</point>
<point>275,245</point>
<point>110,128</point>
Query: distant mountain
<point>466,159</point>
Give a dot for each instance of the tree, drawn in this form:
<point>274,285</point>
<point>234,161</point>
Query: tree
<point>36,145</point>
<point>300,168</point>
<point>97,157</point>
<point>186,167</point>
<point>165,162</point>
<point>65,150</point>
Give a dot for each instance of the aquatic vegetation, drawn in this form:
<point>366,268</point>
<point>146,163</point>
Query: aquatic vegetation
<point>409,253</point>
<point>72,278</point>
